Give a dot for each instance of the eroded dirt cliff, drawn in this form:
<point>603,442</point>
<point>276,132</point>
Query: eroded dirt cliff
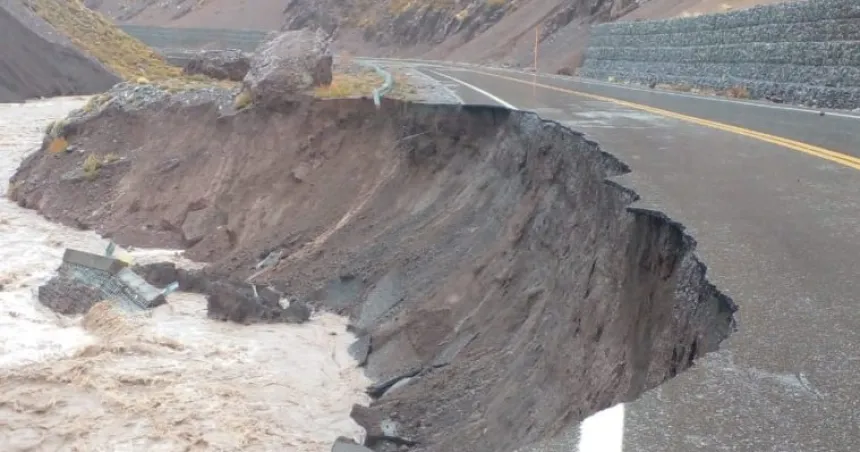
<point>497,278</point>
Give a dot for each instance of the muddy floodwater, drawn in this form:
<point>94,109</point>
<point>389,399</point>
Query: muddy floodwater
<point>166,380</point>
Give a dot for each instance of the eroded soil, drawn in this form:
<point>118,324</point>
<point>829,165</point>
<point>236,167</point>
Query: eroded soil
<point>484,253</point>
<point>165,381</point>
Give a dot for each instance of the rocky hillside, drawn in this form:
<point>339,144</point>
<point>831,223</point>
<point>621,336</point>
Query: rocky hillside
<point>467,30</point>
<point>35,64</point>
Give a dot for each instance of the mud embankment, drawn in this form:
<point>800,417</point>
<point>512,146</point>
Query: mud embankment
<point>500,284</point>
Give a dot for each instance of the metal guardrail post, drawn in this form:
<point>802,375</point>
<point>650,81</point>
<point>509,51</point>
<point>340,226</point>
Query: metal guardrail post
<point>387,85</point>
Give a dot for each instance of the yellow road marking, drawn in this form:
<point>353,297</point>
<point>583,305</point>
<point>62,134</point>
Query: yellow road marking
<point>826,154</point>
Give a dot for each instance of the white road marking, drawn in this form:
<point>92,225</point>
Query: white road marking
<point>466,67</point>
<point>603,431</point>
<point>495,98</point>
<point>444,86</point>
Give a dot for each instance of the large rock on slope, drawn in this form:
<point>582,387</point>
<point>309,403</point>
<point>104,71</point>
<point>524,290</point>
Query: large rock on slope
<point>220,64</point>
<point>291,63</point>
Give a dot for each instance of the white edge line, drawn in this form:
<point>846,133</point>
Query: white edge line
<point>495,98</point>
<point>584,81</point>
<point>450,91</point>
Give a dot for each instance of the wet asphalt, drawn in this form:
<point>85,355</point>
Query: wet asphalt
<point>780,230</point>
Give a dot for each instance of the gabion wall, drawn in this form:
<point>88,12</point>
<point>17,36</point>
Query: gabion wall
<point>803,52</point>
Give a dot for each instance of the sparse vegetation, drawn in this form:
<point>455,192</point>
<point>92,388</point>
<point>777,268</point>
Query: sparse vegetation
<point>350,85</point>
<point>738,92</point>
<point>243,99</point>
<point>402,88</point>
<point>96,102</point>
<point>55,128</point>
<point>12,189</point>
<point>96,35</point>
<point>400,6</point>
<point>110,158</point>
<point>363,83</point>
<point>92,165</point>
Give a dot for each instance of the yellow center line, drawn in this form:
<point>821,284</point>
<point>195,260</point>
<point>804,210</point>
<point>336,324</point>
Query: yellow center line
<point>833,156</point>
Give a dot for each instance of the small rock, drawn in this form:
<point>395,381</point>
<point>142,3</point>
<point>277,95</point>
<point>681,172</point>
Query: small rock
<point>298,312</point>
<point>378,389</point>
<point>159,274</point>
<point>300,173</point>
<point>360,349</point>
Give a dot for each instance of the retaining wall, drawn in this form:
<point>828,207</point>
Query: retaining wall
<point>801,52</point>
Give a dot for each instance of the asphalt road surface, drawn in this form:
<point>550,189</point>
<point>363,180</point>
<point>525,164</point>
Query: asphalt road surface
<point>772,194</point>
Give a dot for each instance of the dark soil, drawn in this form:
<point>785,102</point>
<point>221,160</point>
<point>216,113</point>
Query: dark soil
<point>32,67</point>
<point>498,278</point>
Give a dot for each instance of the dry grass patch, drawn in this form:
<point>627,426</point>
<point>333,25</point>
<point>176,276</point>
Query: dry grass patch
<point>243,99</point>
<point>401,6</point>
<point>350,85</point>
<point>96,35</point>
<point>738,92</point>
<point>403,90</point>
<point>125,55</point>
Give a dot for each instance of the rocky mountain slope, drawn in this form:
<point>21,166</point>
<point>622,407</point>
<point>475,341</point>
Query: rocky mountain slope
<point>33,65</point>
<point>468,30</point>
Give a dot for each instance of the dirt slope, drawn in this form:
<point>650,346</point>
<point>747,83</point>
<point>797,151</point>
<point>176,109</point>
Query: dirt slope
<point>31,66</point>
<point>480,252</point>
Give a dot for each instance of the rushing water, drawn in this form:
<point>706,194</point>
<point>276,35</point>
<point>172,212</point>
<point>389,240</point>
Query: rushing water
<point>166,380</point>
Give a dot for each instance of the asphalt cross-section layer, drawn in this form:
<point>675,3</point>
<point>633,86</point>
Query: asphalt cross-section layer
<point>772,194</point>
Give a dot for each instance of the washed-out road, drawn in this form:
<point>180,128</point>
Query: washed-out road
<point>772,195</point>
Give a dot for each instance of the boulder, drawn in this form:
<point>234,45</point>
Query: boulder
<point>289,64</point>
<point>199,223</point>
<point>237,303</point>
<point>219,64</point>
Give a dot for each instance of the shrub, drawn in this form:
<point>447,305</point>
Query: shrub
<point>738,92</point>
<point>55,129</point>
<point>91,167</point>
<point>243,100</point>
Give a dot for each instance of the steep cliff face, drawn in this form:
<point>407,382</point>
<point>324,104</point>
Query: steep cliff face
<point>500,281</point>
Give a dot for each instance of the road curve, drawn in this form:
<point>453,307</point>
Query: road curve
<point>772,194</point>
